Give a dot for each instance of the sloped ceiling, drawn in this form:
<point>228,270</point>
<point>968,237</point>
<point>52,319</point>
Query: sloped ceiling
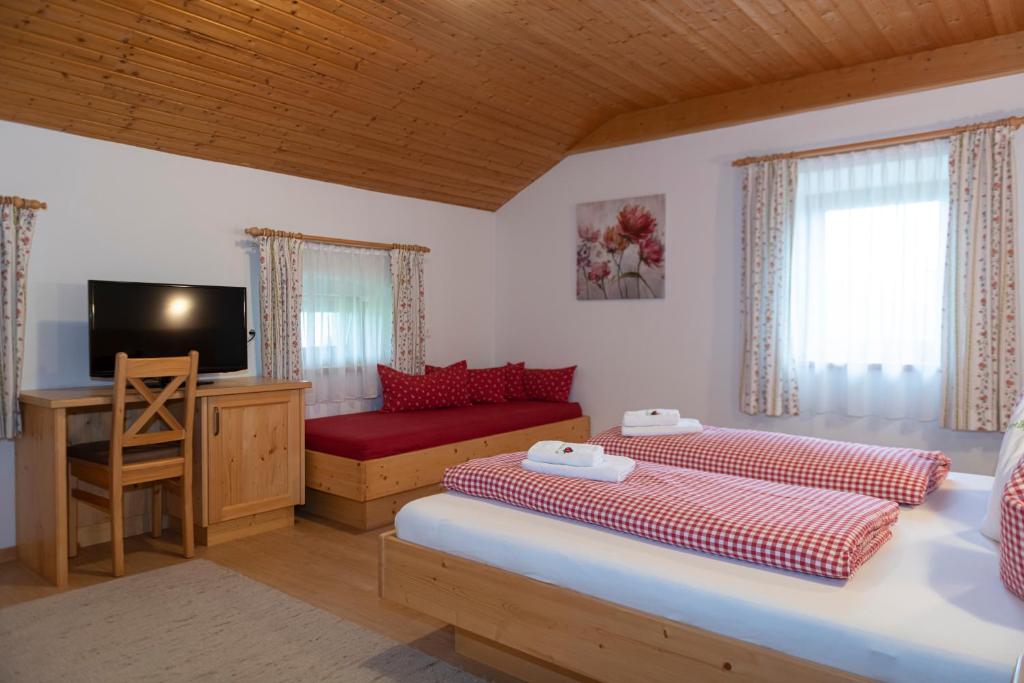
<point>459,101</point>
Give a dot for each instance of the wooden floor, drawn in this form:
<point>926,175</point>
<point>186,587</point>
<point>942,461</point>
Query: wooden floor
<point>318,561</point>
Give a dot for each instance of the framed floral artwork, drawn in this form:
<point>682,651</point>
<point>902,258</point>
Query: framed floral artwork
<point>620,248</point>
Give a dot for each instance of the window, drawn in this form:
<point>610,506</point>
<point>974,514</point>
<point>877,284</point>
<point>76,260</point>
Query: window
<point>346,326</point>
<point>868,266</point>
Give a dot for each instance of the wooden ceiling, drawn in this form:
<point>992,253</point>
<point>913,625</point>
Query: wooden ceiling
<point>460,101</point>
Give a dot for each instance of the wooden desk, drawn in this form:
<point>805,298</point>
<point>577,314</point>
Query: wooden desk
<point>249,464</point>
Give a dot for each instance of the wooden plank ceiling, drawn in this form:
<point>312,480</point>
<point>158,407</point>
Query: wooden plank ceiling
<point>460,101</point>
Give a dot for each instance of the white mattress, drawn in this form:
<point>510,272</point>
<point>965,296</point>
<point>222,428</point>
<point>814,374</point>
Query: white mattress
<point>929,606</point>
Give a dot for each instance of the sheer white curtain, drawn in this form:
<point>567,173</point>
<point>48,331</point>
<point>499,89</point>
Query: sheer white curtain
<point>346,326</point>
<point>868,262</point>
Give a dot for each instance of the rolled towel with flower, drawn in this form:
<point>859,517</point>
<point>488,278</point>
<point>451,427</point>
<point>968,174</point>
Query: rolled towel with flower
<point>651,417</point>
<point>562,453</point>
<point>687,425</point>
<point>615,469</point>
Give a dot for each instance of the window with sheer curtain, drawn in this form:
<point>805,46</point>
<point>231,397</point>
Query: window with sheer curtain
<point>868,261</point>
<point>346,326</point>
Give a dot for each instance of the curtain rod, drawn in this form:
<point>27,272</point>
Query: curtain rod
<point>387,246</point>
<point>22,203</point>
<point>1013,121</point>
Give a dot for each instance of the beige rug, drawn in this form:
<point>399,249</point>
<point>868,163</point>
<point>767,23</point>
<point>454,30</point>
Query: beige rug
<point>198,621</point>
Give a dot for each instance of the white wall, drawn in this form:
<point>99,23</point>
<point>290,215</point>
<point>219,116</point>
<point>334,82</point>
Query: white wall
<point>119,212</point>
<point>124,213</point>
<point>684,350</point>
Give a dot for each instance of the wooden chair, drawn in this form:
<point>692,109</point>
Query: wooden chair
<point>135,457</point>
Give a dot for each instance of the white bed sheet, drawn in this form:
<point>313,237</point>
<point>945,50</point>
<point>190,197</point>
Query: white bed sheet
<point>929,606</point>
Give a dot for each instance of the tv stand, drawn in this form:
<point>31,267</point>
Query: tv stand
<point>249,465</point>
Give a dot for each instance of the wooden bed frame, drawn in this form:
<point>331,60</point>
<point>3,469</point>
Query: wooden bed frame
<point>366,494</point>
<point>541,632</point>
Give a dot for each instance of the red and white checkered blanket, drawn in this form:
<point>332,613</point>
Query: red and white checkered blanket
<point>826,533</point>
<point>904,475</point>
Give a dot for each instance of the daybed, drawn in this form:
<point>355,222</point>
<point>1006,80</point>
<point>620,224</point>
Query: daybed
<point>362,468</point>
<point>544,598</point>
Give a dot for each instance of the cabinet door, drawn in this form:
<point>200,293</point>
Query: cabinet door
<point>255,453</point>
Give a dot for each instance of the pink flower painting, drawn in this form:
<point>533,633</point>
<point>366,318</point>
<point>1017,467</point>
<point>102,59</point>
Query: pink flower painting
<point>620,249</point>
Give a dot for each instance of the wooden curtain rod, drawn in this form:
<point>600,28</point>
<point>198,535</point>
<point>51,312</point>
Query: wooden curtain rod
<point>267,232</point>
<point>22,203</point>
<point>1013,121</point>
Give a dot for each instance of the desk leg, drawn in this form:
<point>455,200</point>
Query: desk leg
<point>41,492</point>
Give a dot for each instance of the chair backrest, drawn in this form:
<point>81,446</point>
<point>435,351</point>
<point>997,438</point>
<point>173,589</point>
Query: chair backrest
<point>180,373</point>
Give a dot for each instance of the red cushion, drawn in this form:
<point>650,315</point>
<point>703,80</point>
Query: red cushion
<point>443,389</point>
<point>365,436</point>
<point>486,385</point>
<point>515,390</point>
<point>1011,531</point>
<point>548,385</point>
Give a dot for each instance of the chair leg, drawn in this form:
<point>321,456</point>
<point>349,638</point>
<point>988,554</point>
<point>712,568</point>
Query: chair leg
<point>188,545</point>
<point>72,517</point>
<point>158,511</point>
<point>117,529</point>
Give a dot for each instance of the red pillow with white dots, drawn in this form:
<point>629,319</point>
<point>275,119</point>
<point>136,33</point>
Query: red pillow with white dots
<point>548,385</point>
<point>447,388</point>
<point>486,385</point>
<point>1011,546</point>
<point>515,390</point>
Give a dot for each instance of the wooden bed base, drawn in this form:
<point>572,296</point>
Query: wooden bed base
<point>540,632</point>
<point>366,494</point>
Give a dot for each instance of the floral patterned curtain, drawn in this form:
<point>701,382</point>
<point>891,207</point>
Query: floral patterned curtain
<point>768,382</point>
<point>410,317</point>
<point>981,372</point>
<point>17,224</point>
<point>280,272</point>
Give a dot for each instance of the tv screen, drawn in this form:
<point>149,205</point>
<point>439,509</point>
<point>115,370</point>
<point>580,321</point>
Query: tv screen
<point>150,320</point>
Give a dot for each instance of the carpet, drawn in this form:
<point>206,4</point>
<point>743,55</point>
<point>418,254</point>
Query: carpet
<point>198,621</point>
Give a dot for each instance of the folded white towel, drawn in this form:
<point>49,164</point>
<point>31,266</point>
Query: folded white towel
<point>570,454</point>
<point>684,426</point>
<point>614,469</point>
<point>653,417</point>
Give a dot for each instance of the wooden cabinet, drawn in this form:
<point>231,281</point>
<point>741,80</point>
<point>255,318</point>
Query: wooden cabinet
<point>248,475</point>
<point>251,454</point>
<point>255,453</point>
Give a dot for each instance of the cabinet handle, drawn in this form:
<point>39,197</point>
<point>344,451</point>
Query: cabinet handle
<point>216,421</point>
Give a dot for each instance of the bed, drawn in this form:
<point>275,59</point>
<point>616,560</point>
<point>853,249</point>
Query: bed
<point>362,468</point>
<point>540,596</point>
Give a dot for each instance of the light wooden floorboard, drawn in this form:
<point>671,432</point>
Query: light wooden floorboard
<point>323,563</point>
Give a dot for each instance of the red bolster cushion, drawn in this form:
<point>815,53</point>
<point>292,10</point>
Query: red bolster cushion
<point>446,388</point>
<point>486,385</point>
<point>515,389</point>
<point>1011,548</point>
<point>548,384</point>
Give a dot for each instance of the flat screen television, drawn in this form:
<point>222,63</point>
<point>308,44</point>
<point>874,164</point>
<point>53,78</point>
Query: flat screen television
<point>150,320</point>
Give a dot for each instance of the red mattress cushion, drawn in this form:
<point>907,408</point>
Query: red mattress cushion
<point>365,436</point>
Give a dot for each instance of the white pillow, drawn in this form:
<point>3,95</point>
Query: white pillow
<point>1010,453</point>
